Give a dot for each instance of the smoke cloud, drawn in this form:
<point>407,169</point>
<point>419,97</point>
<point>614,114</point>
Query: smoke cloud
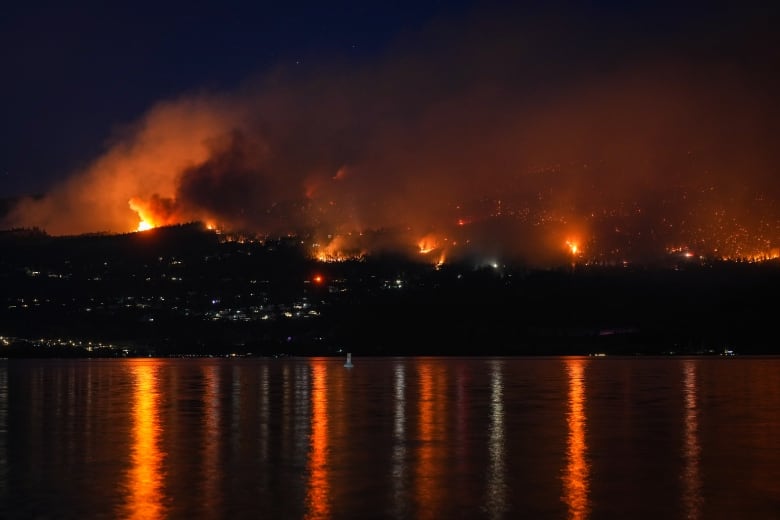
<point>488,133</point>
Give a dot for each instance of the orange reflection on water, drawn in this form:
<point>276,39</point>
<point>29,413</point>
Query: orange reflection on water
<point>145,478</point>
<point>430,457</point>
<point>692,450</point>
<point>318,490</point>
<point>211,440</point>
<point>399,438</point>
<point>577,475</point>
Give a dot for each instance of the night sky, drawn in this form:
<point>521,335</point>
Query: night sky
<point>634,126</point>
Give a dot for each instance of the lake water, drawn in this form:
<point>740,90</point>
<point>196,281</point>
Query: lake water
<point>436,438</point>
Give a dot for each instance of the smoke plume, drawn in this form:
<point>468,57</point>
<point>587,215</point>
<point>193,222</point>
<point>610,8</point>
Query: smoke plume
<point>504,136</point>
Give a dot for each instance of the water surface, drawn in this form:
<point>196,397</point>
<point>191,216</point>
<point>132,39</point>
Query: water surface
<point>391,438</point>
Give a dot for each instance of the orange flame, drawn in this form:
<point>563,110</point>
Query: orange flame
<point>144,225</point>
<point>156,211</point>
<point>146,220</point>
<point>339,248</point>
<point>428,243</point>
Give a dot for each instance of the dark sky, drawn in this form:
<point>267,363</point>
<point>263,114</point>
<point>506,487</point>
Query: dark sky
<point>394,113</point>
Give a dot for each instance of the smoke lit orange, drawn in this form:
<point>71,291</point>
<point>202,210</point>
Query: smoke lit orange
<point>622,165</point>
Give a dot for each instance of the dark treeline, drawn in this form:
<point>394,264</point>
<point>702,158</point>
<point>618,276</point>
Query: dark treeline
<point>185,291</point>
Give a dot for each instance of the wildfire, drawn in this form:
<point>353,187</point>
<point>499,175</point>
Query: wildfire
<point>144,225</point>
<point>145,220</point>
<point>574,247</point>
<point>332,256</point>
<point>432,245</point>
<point>339,248</point>
<point>427,244</point>
<point>755,257</point>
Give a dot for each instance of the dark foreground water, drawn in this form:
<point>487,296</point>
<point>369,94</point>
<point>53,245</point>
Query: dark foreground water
<point>437,438</point>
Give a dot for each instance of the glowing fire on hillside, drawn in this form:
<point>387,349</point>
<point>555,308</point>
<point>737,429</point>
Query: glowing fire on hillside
<point>338,248</point>
<point>144,226</point>
<point>651,154</point>
<point>146,218</point>
<point>541,235</point>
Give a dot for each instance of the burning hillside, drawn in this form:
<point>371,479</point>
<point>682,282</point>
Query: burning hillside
<point>491,154</point>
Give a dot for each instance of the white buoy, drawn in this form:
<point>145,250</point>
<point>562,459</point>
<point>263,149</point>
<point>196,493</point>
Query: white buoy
<point>348,364</point>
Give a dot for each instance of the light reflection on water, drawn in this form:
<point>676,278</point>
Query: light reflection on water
<point>264,412</point>
<point>145,480</point>
<point>577,473</point>
<point>399,473</point>
<point>691,446</point>
<point>429,472</point>
<point>496,492</point>
<point>211,440</point>
<point>318,494</point>
<point>390,438</point>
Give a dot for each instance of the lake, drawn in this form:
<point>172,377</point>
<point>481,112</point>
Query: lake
<point>438,438</point>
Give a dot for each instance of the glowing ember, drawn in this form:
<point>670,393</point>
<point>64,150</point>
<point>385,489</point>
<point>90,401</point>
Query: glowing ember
<point>574,248</point>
